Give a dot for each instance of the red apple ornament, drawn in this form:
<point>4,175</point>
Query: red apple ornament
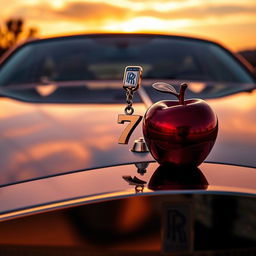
<point>180,132</point>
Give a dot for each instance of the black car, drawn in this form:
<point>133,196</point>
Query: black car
<point>69,188</point>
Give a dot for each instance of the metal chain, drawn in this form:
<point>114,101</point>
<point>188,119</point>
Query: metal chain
<point>129,100</point>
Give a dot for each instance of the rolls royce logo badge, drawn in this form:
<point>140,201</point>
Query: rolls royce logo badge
<point>132,77</point>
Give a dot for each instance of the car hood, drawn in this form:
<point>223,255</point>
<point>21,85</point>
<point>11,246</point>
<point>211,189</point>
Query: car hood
<point>39,140</point>
<point>49,139</point>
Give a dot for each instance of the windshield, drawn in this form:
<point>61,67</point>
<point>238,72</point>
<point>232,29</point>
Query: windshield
<point>104,58</point>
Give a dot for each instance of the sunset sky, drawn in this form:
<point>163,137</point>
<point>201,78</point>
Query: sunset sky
<point>231,22</point>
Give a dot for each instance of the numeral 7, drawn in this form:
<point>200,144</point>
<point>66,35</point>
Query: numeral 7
<point>126,134</point>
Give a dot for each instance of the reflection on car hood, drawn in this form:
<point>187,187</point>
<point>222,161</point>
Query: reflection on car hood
<point>122,182</point>
<point>236,141</point>
<point>42,139</point>
<point>50,139</point>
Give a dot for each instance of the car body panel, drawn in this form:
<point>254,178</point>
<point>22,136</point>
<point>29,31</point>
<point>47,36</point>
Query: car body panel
<point>110,183</point>
<point>236,140</point>
<point>51,139</point>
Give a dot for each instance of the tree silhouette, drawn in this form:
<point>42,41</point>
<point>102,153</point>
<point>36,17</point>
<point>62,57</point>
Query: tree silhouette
<point>13,31</point>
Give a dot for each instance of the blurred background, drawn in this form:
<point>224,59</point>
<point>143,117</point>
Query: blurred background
<point>230,22</point>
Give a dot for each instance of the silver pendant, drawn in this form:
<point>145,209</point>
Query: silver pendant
<point>131,83</point>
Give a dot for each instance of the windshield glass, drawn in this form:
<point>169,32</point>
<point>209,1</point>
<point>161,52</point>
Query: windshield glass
<point>104,58</point>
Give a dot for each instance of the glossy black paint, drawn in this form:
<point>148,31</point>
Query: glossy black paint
<point>177,178</point>
<point>134,225</point>
<point>108,184</point>
<point>101,212</point>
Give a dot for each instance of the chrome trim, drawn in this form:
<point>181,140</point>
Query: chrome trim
<point>114,196</point>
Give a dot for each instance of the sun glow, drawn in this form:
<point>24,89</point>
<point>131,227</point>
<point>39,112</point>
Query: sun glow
<point>220,20</point>
<point>136,24</point>
<point>58,4</point>
<point>146,24</point>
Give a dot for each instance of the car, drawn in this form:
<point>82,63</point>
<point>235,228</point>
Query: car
<point>68,187</point>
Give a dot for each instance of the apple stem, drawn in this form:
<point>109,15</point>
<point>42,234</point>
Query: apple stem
<point>183,88</point>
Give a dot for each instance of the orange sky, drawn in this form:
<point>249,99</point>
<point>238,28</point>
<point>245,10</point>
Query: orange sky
<point>231,22</point>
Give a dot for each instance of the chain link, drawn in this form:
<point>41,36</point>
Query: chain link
<point>129,100</point>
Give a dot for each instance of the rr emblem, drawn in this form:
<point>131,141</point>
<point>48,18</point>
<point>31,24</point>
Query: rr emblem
<point>132,77</point>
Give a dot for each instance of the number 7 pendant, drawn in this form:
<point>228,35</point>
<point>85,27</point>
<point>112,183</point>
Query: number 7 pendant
<point>126,134</point>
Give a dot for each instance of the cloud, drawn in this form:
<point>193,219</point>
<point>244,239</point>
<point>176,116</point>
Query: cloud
<point>102,11</point>
<point>162,1</point>
<point>74,11</point>
<point>98,13</point>
<point>200,12</point>
<point>92,11</point>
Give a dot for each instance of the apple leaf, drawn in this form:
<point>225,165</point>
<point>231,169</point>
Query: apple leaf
<point>164,87</point>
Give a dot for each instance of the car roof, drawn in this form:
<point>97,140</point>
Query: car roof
<point>111,35</point>
<point>122,182</point>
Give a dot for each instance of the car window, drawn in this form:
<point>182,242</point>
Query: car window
<point>104,58</point>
